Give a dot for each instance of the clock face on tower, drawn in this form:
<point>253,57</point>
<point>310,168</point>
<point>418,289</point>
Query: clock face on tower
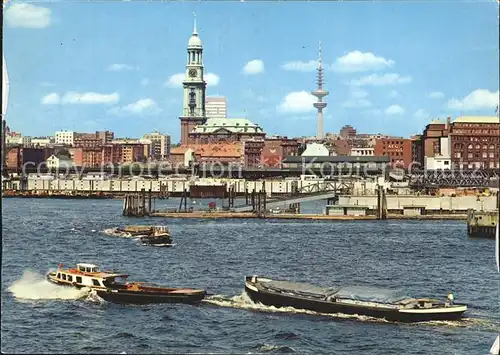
<point>192,73</point>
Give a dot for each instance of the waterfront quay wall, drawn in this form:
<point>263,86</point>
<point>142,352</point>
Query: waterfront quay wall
<point>175,186</point>
<point>430,203</point>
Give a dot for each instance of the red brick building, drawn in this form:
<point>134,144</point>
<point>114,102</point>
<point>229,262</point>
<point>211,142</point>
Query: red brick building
<point>433,133</point>
<point>86,140</point>
<point>417,151</point>
<point>276,149</point>
<point>90,157</point>
<point>475,142</point>
<point>347,132</point>
<point>96,156</point>
<point>214,153</point>
<point>19,156</point>
<point>91,140</point>
<point>340,146</point>
<point>399,151</point>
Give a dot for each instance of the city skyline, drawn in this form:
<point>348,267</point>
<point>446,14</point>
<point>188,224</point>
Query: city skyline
<point>392,80</point>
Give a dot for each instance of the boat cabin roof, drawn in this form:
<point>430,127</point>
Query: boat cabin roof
<point>84,266</point>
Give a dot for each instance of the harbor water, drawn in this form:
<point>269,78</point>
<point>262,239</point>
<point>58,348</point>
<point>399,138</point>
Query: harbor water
<point>424,258</point>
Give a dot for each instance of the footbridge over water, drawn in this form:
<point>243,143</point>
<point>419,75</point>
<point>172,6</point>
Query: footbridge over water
<point>324,190</point>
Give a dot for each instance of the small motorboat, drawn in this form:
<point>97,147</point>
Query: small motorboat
<point>113,287</point>
<point>359,300</point>
<point>159,238</point>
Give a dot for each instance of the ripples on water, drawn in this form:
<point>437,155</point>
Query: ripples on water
<point>426,258</point>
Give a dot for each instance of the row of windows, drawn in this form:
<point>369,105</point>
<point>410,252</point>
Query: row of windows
<point>475,131</point>
<point>392,154</point>
<point>475,155</point>
<point>471,146</point>
<point>473,165</point>
<point>69,278</point>
<point>392,142</point>
<point>476,139</point>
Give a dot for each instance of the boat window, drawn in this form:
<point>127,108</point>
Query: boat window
<point>70,278</point>
<point>82,268</point>
<point>79,279</point>
<point>96,282</point>
<point>58,275</point>
<point>64,276</point>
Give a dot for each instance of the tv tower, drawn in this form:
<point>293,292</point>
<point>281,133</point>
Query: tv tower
<point>320,93</point>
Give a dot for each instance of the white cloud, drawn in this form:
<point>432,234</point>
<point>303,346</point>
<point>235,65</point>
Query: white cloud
<point>144,82</point>
<point>436,95</point>
<point>73,97</point>
<point>394,94</point>
<point>382,80</point>
<point>175,81</point>
<point>212,79</point>
<point>297,102</point>
<point>421,114</point>
<point>301,66</point>
<point>50,99</point>
<point>394,110</point>
<point>255,66</point>
<point>140,107</point>
<point>28,16</point>
<point>476,100</point>
<point>357,61</point>
<point>120,67</point>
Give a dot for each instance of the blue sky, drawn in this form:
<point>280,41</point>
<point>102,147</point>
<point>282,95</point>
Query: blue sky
<point>390,67</point>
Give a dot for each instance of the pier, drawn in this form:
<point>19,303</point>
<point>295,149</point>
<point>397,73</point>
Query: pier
<point>137,205</point>
<point>482,224</point>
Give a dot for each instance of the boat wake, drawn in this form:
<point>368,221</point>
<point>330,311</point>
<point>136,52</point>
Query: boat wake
<point>484,324</point>
<point>115,233</point>
<point>242,301</point>
<point>33,286</point>
<point>269,348</point>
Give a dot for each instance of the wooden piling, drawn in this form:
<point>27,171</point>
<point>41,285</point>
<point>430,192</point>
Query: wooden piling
<point>149,203</point>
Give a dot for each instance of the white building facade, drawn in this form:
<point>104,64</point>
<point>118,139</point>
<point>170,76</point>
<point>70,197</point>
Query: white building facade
<point>64,137</point>
<point>216,107</point>
<point>160,145</point>
<point>362,152</point>
<point>442,160</point>
<point>18,140</point>
<point>58,162</point>
<point>315,150</point>
<point>41,141</point>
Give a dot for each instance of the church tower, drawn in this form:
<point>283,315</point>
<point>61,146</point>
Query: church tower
<point>193,109</point>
